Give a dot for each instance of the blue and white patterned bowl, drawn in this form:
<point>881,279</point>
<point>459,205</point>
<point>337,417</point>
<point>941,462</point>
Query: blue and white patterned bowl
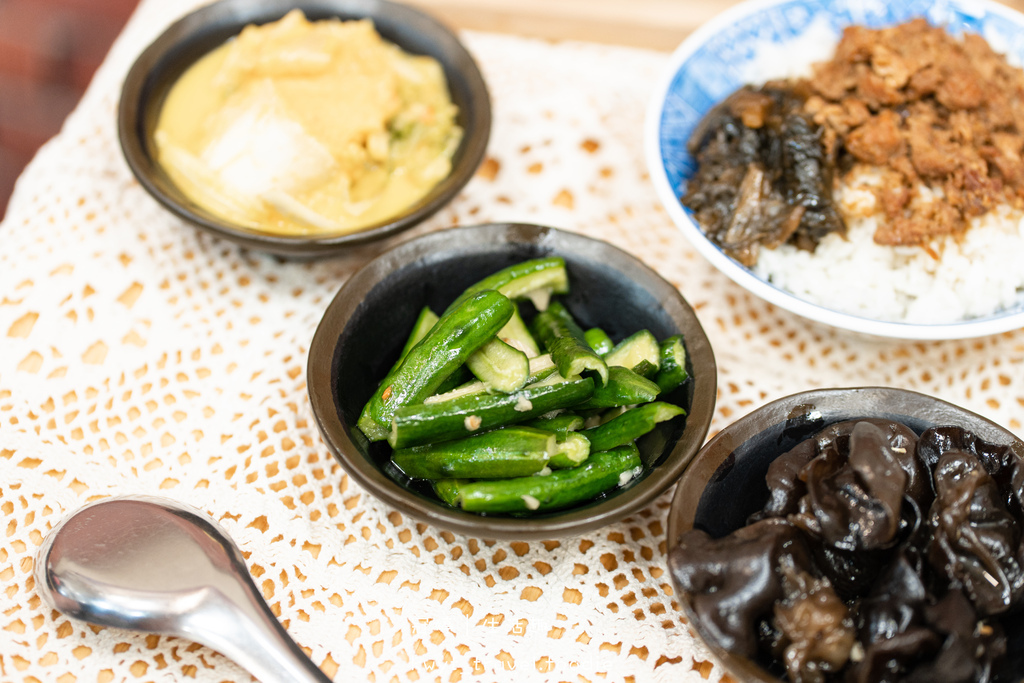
<point>746,44</point>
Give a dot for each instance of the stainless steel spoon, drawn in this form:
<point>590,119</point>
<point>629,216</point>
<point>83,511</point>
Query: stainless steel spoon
<point>152,564</point>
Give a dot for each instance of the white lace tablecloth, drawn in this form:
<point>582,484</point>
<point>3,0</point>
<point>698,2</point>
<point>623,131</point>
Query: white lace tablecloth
<point>138,355</point>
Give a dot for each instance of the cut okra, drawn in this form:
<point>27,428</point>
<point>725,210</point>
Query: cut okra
<point>646,368</point>
<point>536,280</point>
<point>624,388</point>
<point>570,451</point>
<point>601,472</point>
<point>560,424</point>
<point>541,368</point>
<point>673,364</point>
<point>564,340</point>
<point>630,425</point>
<point>635,350</point>
<point>516,334</point>
<point>501,366</point>
<point>447,345</point>
<point>502,453</point>
<point>598,340</point>
<point>414,425</point>
<point>424,322</point>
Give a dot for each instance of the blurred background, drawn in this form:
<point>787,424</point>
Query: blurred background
<point>49,49</point>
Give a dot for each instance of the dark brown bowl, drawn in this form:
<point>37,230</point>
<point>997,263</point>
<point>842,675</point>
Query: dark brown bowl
<point>160,65</point>
<point>368,321</point>
<point>725,483</point>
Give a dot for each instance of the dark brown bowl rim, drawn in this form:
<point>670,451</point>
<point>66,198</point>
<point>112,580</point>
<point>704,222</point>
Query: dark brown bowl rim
<point>199,31</point>
<point>872,401</point>
<point>337,435</point>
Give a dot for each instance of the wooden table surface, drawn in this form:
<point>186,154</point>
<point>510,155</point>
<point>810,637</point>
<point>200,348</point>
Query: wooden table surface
<point>654,24</point>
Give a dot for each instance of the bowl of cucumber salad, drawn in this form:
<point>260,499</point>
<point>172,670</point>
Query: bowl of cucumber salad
<point>511,381</point>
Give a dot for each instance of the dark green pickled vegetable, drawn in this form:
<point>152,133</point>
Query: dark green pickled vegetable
<point>564,340</point>
<point>448,344</point>
<point>630,425</point>
<point>508,452</point>
<point>600,473</point>
<point>419,424</point>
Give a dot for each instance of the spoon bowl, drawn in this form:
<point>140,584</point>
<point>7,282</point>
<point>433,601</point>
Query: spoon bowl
<point>155,565</point>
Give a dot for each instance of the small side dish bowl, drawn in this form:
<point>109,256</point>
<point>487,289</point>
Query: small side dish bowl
<point>370,318</point>
<point>163,62</point>
<point>725,483</point>
<point>753,41</point>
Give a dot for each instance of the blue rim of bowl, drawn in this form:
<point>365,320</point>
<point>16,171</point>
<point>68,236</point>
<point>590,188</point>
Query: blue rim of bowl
<point>139,84</point>
<point>999,322</point>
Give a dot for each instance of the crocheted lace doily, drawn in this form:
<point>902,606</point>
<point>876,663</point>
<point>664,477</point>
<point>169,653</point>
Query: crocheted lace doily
<point>141,356</point>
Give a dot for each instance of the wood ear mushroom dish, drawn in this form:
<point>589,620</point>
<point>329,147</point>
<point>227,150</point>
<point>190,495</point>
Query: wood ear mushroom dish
<point>880,555</point>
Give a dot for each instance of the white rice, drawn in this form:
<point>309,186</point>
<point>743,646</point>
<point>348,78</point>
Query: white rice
<point>977,276</point>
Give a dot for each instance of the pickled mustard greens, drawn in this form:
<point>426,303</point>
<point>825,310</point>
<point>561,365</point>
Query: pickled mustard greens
<point>510,441</point>
<point>299,127</point>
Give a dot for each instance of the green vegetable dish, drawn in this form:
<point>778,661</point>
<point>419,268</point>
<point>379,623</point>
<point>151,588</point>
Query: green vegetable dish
<point>502,404</point>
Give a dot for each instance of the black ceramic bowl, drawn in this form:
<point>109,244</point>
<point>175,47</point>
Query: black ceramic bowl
<point>368,321</point>
<point>160,65</point>
<point>725,483</point>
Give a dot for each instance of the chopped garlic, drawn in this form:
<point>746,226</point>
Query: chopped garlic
<point>472,422</point>
<point>628,475</point>
<point>531,502</point>
<point>522,405</point>
<point>544,472</point>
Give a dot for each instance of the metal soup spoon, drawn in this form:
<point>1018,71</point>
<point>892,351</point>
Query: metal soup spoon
<point>152,564</point>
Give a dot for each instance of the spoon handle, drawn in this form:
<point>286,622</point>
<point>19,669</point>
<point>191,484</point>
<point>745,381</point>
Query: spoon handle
<point>241,627</point>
